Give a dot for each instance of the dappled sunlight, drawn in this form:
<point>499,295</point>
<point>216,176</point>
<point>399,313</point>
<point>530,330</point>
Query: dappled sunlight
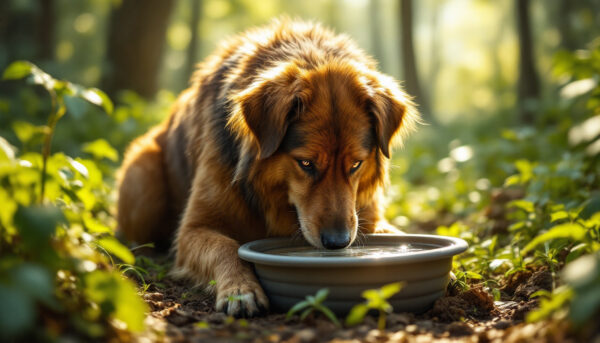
<point>507,158</point>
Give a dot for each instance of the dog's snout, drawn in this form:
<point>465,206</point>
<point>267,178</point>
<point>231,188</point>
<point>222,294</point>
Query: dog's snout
<point>337,238</point>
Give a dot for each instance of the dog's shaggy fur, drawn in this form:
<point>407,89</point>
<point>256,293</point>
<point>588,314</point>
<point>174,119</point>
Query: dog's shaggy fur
<point>284,129</point>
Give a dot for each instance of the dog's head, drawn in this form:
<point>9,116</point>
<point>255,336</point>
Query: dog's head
<point>327,133</point>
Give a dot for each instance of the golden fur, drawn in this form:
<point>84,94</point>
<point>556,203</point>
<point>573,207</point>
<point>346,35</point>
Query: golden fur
<point>267,141</point>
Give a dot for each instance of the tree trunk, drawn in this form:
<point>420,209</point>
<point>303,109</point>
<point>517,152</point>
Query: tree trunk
<point>45,32</point>
<point>434,53</point>
<point>567,39</point>
<point>137,33</point>
<point>375,21</point>
<point>528,86</point>
<point>411,79</point>
<point>29,32</point>
<point>192,51</point>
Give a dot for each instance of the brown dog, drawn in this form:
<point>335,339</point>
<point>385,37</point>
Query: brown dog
<point>286,128</point>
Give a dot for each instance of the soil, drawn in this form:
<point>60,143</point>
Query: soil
<point>181,313</point>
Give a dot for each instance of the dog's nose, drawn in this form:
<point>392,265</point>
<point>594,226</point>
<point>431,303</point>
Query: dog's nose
<point>335,239</point>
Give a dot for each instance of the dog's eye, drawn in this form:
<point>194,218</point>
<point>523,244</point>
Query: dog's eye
<point>306,165</point>
<point>355,166</point>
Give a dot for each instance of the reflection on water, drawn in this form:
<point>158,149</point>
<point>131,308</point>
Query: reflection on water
<point>376,251</point>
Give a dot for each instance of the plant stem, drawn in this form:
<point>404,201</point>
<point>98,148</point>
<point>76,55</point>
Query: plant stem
<point>45,154</point>
<point>381,321</point>
<point>58,110</point>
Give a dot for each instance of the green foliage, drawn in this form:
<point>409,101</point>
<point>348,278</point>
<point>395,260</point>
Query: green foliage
<point>377,299</point>
<point>56,258</point>
<point>527,199</point>
<point>311,304</point>
<point>58,90</point>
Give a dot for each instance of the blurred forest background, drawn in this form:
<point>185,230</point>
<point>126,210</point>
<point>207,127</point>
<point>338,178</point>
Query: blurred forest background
<point>508,159</point>
<point>463,60</point>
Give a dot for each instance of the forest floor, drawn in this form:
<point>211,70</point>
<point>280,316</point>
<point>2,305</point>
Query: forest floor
<point>181,313</point>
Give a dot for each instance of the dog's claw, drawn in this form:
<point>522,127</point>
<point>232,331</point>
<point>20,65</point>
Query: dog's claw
<point>242,304</point>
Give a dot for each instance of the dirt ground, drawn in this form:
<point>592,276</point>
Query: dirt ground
<point>181,313</point>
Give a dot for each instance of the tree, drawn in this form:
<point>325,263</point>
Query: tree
<point>28,32</point>
<point>434,49</point>
<point>567,38</point>
<point>136,38</point>
<point>528,89</point>
<point>45,32</point>
<point>192,51</point>
<point>375,20</point>
<point>411,79</point>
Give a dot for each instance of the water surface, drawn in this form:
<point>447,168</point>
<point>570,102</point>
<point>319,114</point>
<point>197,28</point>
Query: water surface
<point>366,251</point>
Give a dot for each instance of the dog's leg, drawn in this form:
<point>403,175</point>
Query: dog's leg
<point>142,205</point>
<point>206,255</point>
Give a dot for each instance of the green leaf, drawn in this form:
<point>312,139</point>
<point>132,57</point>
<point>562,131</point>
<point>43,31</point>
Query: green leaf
<point>202,325</point>
<point>116,297</point>
<point>28,133</point>
<point>17,313</point>
<point>550,305</point>
<point>357,314</point>
<point>45,80</point>
<point>525,168</point>
<point>100,149</point>
<point>18,70</point>
<point>585,305</point>
<point>321,295</point>
<point>94,226</point>
<point>299,306</point>
<point>306,313</point>
<point>114,247</point>
<point>34,280</point>
<point>560,215</point>
<point>512,180</point>
<point>572,231</point>
<point>525,205</point>
<point>473,275</point>
<point>497,263</point>
<point>389,290</point>
<point>37,224</point>
<point>576,252</point>
<point>99,98</point>
<point>371,294</point>
<point>593,206</point>
<point>327,312</point>
<point>7,151</point>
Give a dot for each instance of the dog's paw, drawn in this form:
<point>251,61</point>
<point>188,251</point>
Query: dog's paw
<point>242,299</point>
<point>385,227</point>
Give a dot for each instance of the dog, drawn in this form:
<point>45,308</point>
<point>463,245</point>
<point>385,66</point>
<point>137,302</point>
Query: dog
<point>286,128</point>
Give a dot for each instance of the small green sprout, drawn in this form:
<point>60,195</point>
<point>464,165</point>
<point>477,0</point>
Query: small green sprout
<point>376,300</point>
<point>202,325</point>
<point>313,303</point>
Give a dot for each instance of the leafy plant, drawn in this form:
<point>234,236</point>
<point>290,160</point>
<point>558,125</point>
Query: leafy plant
<point>59,259</point>
<point>311,304</point>
<point>377,299</point>
<point>57,89</point>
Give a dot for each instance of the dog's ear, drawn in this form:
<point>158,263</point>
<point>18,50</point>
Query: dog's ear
<point>268,105</point>
<point>393,111</point>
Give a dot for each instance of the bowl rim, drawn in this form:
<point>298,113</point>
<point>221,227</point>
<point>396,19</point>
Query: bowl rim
<point>448,247</point>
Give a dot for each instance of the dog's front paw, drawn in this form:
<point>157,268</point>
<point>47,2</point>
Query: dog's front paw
<point>385,227</point>
<point>241,298</point>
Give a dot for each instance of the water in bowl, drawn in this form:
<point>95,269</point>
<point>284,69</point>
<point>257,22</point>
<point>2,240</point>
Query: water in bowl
<point>354,251</point>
